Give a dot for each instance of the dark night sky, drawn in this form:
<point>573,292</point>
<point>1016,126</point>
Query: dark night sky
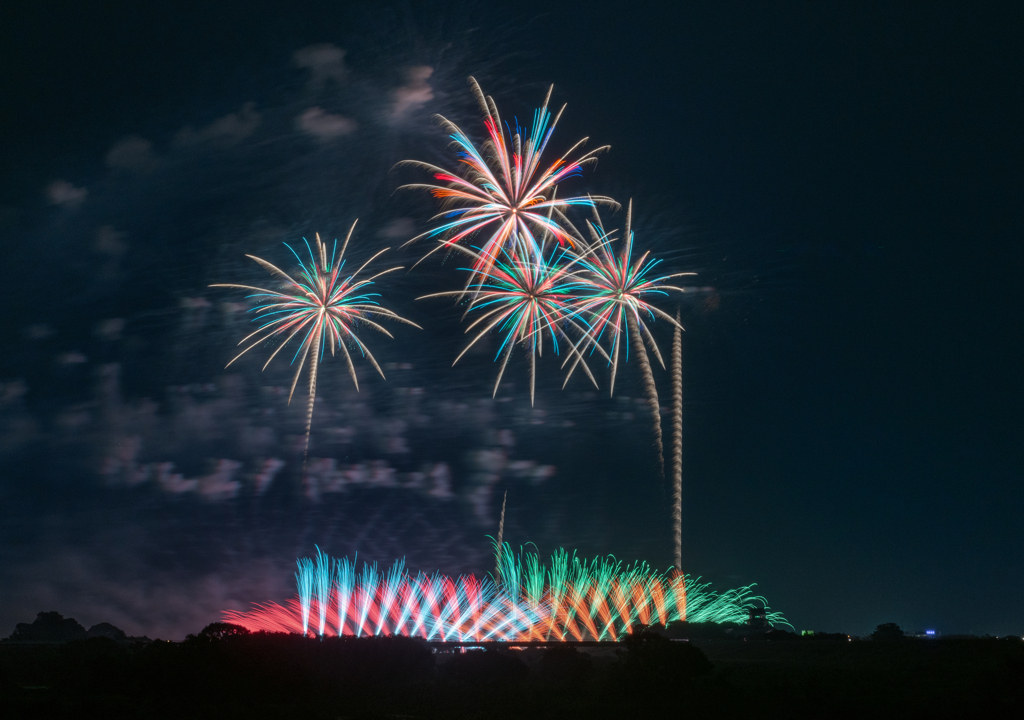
<point>848,179</point>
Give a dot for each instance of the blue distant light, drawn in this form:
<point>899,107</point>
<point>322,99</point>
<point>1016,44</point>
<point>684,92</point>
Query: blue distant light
<point>929,632</point>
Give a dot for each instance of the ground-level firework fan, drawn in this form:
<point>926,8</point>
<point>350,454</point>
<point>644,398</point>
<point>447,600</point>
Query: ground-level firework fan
<point>568,599</point>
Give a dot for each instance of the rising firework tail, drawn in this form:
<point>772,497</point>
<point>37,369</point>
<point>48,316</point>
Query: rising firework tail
<point>501,533</point>
<point>677,443</point>
<point>568,599</point>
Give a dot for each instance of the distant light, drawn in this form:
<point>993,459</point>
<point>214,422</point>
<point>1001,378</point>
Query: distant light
<point>929,632</point>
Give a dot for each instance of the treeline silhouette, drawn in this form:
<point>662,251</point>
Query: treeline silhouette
<point>228,672</point>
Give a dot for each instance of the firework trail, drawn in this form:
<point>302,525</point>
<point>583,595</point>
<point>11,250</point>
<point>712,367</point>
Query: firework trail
<point>501,533</point>
<point>611,298</point>
<point>526,298</point>
<point>651,391</point>
<point>322,308</point>
<point>677,442</point>
<point>502,189</point>
<point>569,599</point>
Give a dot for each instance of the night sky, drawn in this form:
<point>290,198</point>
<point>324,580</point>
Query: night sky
<point>848,179</point>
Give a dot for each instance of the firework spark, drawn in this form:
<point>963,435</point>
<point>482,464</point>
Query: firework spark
<point>503,189</point>
<point>321,308</point>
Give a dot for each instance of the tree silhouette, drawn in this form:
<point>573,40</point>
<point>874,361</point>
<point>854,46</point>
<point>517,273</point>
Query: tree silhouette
<point>888,631</point>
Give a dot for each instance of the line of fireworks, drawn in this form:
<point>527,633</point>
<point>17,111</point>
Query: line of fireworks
<point>603,598</point>
<point>568,599</point>
<point>334,599</point>
<point>322,308</point>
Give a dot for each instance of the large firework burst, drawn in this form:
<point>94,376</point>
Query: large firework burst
<point>322,308</point>
<point>504,189</point>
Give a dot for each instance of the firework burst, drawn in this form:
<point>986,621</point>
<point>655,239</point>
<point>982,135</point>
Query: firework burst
<point>322,309</point>
<point>613,292</point>
<point>525,298</point>
<point>505,190</point>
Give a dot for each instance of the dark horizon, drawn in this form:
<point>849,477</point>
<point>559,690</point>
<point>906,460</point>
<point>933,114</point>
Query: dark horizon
<point>847,179</point>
